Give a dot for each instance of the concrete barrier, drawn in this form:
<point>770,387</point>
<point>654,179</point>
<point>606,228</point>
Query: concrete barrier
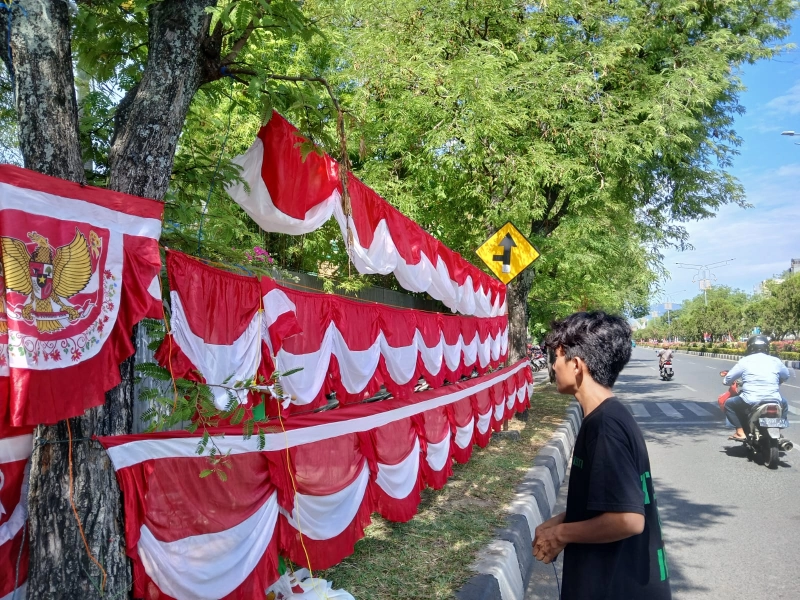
<point>503,568</point>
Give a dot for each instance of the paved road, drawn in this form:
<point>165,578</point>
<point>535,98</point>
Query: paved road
<point>732,527</point>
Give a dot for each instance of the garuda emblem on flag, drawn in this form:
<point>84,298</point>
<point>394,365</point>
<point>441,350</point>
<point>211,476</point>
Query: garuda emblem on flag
<point>49,277</point>
<point>79,268</point>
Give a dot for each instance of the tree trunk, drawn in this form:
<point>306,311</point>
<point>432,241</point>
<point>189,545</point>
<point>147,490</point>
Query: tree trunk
<point>149,121</point>
<point>517,294</point>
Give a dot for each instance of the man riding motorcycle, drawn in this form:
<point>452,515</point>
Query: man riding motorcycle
<point>761,376</point>
<point>664,355</point>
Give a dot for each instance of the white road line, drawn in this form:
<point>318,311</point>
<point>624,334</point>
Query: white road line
<point>696,409</point>
<point>793,410</point>
<point>797,387</point>
<point>707,367</point>
<point>691,389</point>
<point>669,410</point>
<point>710,424</point>
<point>638,410</point>
<point>654,369</point>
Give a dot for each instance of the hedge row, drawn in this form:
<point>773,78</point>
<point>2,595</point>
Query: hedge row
<point>722,350</point>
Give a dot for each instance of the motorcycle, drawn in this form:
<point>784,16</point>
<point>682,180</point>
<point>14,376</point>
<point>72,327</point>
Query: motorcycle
<point>762,428</point>
<point>666,370</point>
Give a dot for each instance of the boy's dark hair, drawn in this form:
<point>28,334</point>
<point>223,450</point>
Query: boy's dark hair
<point>602,341</point>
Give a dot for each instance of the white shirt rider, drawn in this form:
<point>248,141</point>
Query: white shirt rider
<point>761,377</point>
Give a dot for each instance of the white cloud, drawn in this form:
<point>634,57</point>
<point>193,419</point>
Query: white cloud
<point>787,103</point>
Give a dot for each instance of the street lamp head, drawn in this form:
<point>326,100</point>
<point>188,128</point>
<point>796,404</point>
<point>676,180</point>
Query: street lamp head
<point>788,133</point>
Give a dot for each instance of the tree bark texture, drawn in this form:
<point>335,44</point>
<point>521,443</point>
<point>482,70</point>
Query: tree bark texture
<point>517,294</point>
<point>47,110</point>
<point>150,117</point>
<point>148,124</point>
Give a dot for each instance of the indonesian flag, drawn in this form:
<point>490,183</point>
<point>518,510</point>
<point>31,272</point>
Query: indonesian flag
<point>15,451</point>
<point>220,331</point>
<point>288,194</point>
<point>79,270</point>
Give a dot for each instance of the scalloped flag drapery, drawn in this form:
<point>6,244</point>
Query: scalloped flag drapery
<point>345,464</point>
<point>16,446</point>
<point>290,195</point>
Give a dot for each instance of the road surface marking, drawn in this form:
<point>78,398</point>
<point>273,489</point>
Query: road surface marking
<point>708,424</point>
<point>690,388</point>
<point>792,386</point>
<point>707,367</point>
<point>793,410</point>
<point>654,369</point>
<point>622,383</point>
<point>696,409</point>
<point>638,410</point>
<point>669,410</point>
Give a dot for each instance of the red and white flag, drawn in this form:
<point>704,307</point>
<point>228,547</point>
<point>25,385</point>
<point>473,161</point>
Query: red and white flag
<point>79,269</point>
<point>288,193</point>
<point>221,327</point>
<point>15,452</point>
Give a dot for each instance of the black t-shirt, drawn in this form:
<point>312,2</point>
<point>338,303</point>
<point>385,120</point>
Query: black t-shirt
<point>611,473</point>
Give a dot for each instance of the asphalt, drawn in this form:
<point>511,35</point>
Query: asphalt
<point>732,527</point>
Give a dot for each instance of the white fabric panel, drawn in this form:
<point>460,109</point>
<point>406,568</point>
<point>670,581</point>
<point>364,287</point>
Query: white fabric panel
<point>511,400</point>
<point>276,303</point>
<point>16,448</point>
<point>258,202</point>
<point>217,362</point>
<point>521,394</point>
<point>471,351</point>
<point>383,258</point>
<point>325,517</point>
<point>39,203</point>
<point>499,411</point>
<point>19,515</point>
<point>438,454</point>
<point>211,565</point>
<point>400,362</point>
<point>484,349</point>
<point>484,421</point>
<point>432,357</point>
<point>355,366</point>
<point>399,480</point>
<point>19,594</point>
<point>452,354</point>
<point>131,453</point>
<point>464,434</point>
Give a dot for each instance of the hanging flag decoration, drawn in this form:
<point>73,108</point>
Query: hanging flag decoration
<point>79,270</point>
<point>386,241</point>
<point>15,452</point>
<point>288,193</point>
<point>291,195</point>
<point>227,327</point>
<point>219,333</point>
<point>324,476</point>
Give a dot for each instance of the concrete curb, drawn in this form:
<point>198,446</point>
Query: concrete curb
<point>504,567</point>
<point>792,364</point>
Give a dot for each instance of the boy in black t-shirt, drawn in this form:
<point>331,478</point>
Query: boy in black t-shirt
<point>610,532</point>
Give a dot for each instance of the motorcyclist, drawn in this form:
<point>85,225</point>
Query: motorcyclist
<point>664,355</point>
<point>761,376</point>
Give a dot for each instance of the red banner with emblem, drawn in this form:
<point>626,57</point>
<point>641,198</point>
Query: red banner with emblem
<point>80,267</point>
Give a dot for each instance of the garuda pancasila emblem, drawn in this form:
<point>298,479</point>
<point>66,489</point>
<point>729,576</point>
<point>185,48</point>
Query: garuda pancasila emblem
<point>49,276</point>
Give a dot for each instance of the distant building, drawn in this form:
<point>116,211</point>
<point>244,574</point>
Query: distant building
<point>795,268</point>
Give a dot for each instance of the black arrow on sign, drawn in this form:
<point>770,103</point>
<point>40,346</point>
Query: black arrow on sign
<point>507,243</point>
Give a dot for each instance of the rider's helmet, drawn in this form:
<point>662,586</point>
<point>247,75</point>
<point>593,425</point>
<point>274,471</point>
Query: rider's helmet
<point>757,343</point>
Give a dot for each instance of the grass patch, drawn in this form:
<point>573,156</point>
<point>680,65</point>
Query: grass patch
<point>429,556</point>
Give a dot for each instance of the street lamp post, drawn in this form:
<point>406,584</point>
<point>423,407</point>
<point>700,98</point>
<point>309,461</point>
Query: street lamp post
<point>703,275</point>
<point>791,134</point>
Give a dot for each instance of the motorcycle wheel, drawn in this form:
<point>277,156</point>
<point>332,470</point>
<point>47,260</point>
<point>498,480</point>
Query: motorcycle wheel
<point>770,452</point>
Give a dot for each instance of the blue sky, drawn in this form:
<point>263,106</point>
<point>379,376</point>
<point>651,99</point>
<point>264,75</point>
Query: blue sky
<point>762,239</point>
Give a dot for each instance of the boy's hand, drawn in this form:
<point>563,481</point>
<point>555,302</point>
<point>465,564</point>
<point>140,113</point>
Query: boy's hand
<point>547,545</point>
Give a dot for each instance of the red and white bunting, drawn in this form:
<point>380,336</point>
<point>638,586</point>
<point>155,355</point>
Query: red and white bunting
<point>15,452</point>
<point>290,195</point>
<point>227,327</point>
<point>79,269</point>
<point>345,464</point>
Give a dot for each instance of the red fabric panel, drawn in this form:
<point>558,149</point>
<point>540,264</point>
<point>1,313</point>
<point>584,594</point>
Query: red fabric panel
<point>391,445</point>
<point>481,404</point>
<point>124,203</point>
<point>437,428</point>
<point>326,467</point>
<point>314,314</point>
<point>462,411</point>
<point>498,396</point>
<point>295,185</point>
<point>218,305</point>
<point>45,397</point>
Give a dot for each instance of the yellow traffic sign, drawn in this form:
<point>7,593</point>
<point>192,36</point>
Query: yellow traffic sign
<point>507,253</point>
